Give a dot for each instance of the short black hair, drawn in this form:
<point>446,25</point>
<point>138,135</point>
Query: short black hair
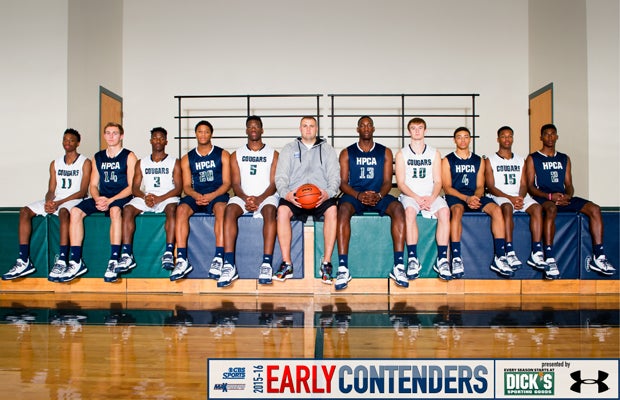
<point>547,126</point>
<point>160,130</point>
<point>362,117</point>
<point>203,122</point>
<point>73,132</point>
<point>254,118</point>
<point>461,128</point>
<point>504,128</point>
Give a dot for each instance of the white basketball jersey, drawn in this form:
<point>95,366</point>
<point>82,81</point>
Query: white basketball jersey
<point>158,177</point>
<point>507,173</point>
<point>254,168</point>
<point>68,177</point>
<point>419,169</point>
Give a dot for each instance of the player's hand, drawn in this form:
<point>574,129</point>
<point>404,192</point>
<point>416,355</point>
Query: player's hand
<point>517,202</point>
<point>149,199</point>
<point>290,197</point>
<point>324,196</point>
<point>562,200</point>
<point>425,203</point>
<point>102,203</point>
<point>473,202</point>
<point>203,200</point>
<point>251,205</point>
<point>50,207</point>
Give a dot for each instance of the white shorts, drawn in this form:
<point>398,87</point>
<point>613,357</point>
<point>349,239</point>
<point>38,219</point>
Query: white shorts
<point>527,201</point>
<point>271,200</point>
<point>38,207</point>
<point>438,204</point>
<point>140,204</point>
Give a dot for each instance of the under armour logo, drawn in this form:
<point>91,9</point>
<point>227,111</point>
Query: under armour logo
<point>576,387</point>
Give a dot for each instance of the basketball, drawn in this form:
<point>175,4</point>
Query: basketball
<point>308,195</point>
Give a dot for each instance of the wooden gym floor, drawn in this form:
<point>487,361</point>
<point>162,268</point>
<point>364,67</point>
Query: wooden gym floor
<point>87,346</point>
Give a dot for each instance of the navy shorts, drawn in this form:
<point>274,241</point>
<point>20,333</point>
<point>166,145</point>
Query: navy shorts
<point>380,207</point>
<point>453,200</point>
<point>88,205</point>
<point>208,209</point>
<point>301,214</point>
<point>575,204</point>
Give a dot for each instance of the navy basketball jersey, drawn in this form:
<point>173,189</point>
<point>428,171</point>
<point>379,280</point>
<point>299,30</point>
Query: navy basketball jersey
<point>366,169</point>
<point>206,170</point>
<point>112,172</point>
<point>549,171</point>
<point>464,172</point>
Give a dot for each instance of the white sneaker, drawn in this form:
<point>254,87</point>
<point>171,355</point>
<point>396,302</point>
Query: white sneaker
<point>502,267</point>
<point>265,273</point>
<point>537,261</point>
<point>110,272</point>
<point>442,267</point>
<point>458,269</point>
<point>601,265</point>
<point>126,263</point>
<point>167,261</point>
<point>215,271</point>
<point>20,269</point>
<point>74,270</point>
<point>229,274</point>
<point>413,268</point>
<point>181,269</point>
<point>399,276</point>
<point>552,272</point>
<point>57,270</point>
<point>343,278</point>
<point>513,261</point>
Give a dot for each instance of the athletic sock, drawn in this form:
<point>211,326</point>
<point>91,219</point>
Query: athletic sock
<point>442,252</point>
<point>536,247</point>
<point>127,249</point>
<point>63,252</point>
<point>455,249</point>
<point>229,257</point>
<point>219,251</point>
<point>24,251</point>
<point>182,253</point>
<point>343,259</point>
<point>549,253</point>
<point>499,246</point>
<point>598,250</point>
<point>76,253</point>
<point>508,247</point>
<point>115,251</point>
<point>412,250</point>
<point>170,247</point>
<point>268,258</point>
<point>398,257</point>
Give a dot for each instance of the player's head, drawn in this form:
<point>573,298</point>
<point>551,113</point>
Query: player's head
<point>462,129</point>
<point>363,117</point>
<point>416,121</point>
<point>159,129</point>
<point>505,137</point>
<point>76,134</point>
<point>546,127</point>
<point>365,127</point>
<point>204,123</point>
<point>254,118</point>
<point>114,125</point>
<point>505,128</point>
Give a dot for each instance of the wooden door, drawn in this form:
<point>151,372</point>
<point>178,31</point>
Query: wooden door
<point>110,110</point>
<point>541,113</point>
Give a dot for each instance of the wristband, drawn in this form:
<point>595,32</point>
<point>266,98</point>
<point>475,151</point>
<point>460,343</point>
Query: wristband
<point>549,196</point>
<point>380,196</point>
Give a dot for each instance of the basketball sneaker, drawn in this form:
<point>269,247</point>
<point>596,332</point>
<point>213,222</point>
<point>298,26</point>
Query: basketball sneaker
<point>229,274</point>
<point>216,268</point>
<point>513,260</point>
<point>399,276</point>
<point>167,261</point>
<point>265,272</point>
<point>111,275</point>
<point>442,267</point>
<point>537,261</point>
<point>458,270</point>
<point>57,270</point>
<point>75,269</point>
<point>502,267</point>
<point>126,263</point>
<point>20,269</point>
<point>413,268</point>
<point>601,265</point>
<point>181,269</point>
<point>326,272</point>
<point>343,278</point>
<point>552,271</point>
<point>285,271</point>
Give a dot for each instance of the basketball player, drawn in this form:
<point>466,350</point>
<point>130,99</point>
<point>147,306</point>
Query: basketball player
<point>68,185</point>
<point>418,175</point>
<point>110,190</point>
<point>463,184</point>
<point>206,180</point>
<point>506,184</point>
<point>366,181</point>
<point>157,185</point>
<point>307,159</point>
<point>550,182</point>
<point>252,169</point>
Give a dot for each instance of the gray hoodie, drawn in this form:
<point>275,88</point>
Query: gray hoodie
<point>298,165</point>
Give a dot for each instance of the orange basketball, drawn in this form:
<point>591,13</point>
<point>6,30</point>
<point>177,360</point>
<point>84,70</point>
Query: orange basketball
<point>308,195</point>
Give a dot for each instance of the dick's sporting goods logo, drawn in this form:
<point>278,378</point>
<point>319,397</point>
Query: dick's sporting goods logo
<point>529,383</point>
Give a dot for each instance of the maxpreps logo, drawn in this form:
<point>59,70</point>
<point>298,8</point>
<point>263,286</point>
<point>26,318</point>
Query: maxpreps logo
<point>225,387</point>
<point>529,383</point>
